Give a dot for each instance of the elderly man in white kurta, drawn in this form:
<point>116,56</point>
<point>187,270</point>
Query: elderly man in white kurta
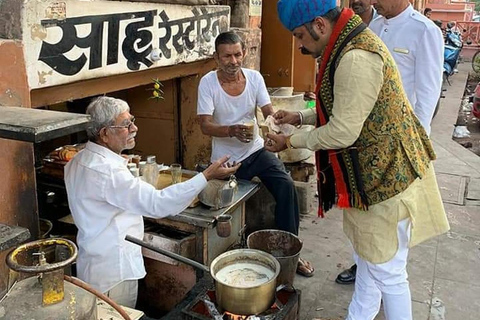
<point>107,202</point>
<point>416,45</point>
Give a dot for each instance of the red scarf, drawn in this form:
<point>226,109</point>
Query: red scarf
<point>333,176</point>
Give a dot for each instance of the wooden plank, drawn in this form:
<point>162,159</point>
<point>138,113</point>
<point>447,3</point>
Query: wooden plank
<point>277,48</point>
<point>196,147</point>
<point>155,137</point>
<point>92,87</point>
<point>143,106</point>
<point>18,201</point>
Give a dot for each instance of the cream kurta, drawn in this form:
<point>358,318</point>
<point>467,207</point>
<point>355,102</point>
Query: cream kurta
<point>373,233</point>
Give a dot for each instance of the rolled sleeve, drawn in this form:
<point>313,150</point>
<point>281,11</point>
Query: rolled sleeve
<point>358,81</point>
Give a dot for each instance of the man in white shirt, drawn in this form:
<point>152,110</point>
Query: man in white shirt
<point>416,45</point>
<point>227,100</point>
<point>107,202</point>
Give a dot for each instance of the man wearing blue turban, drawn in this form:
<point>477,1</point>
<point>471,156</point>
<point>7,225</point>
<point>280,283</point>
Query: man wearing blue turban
<point>373,156</point>
<point>293,14</point>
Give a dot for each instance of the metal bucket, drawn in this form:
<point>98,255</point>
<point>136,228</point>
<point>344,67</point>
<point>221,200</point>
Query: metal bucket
<point>284,246</point>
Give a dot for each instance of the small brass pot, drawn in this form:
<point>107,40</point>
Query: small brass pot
<point>241,300</point>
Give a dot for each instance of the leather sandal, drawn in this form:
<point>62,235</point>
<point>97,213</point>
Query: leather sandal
<point>305,268</point>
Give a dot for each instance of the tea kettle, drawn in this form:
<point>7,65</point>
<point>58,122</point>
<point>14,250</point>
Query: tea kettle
<point>218,193</point>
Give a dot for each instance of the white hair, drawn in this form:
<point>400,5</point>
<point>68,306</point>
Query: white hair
<point>103,112</point>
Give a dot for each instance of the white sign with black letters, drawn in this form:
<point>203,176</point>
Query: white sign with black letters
<point>67,41</point>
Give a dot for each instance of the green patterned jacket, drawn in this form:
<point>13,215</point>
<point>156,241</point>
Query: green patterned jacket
<point>394,149</point>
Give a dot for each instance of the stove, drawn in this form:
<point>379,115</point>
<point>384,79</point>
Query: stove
<point>204,307</point>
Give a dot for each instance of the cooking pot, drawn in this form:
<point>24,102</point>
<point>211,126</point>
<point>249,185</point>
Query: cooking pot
<point>245,279</point>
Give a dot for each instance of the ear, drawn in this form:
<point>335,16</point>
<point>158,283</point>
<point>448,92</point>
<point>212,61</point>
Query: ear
<point>103,135</point>
<point>215,56</point>
<point>244,52</point>
<point>319,23</point>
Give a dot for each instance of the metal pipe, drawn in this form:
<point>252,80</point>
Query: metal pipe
<point>100,295</point>
<point>167,253</point>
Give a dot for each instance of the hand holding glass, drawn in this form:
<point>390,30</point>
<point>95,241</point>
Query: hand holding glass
<point>249,131</point>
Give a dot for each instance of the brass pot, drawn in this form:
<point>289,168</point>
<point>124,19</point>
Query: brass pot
<point>235,299</point>
<point>245,300</point>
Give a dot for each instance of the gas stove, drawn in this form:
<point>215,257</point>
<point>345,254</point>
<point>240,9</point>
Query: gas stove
<point>204,307</point>
<point>200,304</point>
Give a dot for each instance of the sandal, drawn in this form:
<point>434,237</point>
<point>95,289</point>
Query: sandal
<point>305,268</point>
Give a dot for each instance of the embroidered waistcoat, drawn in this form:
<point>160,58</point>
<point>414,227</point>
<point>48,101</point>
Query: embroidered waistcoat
<point>393,147</point>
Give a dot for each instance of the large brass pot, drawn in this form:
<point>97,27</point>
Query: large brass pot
<point>241,300</point>
<point>234,299</point>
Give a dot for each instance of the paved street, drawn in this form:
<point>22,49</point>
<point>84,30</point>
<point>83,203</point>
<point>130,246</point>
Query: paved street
<point>442,271</point>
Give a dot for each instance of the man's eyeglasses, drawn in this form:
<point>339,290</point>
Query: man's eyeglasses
<point>125,126</point>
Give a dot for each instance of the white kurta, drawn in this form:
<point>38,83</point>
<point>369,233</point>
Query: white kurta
<point>107,203</point>
<point>416,45</point>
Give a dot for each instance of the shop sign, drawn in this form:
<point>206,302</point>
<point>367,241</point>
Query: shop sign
<point>68,41</point>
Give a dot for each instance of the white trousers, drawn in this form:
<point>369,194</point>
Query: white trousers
<point>125,293</point>
<point>386,281</point>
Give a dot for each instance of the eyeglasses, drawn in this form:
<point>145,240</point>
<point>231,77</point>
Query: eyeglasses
<point>125,126</point>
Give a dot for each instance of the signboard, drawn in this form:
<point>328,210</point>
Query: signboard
<point>67,41</point>
<point>255,8</point>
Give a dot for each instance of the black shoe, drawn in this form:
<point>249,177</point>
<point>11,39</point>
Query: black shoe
<point>347,276</point>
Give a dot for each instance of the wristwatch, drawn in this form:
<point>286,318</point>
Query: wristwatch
<point>289,143</point>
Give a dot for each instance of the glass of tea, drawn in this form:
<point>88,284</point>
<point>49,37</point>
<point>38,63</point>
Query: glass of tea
<point>250,124</point>
<point>176,172</point>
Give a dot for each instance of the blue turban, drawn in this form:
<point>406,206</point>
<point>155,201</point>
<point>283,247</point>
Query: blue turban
<point>294,13</point>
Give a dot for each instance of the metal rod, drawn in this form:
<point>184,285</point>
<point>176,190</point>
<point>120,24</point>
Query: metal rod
<point>168,253</point>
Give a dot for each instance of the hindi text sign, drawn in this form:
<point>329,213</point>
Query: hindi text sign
<point>116,38</point>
